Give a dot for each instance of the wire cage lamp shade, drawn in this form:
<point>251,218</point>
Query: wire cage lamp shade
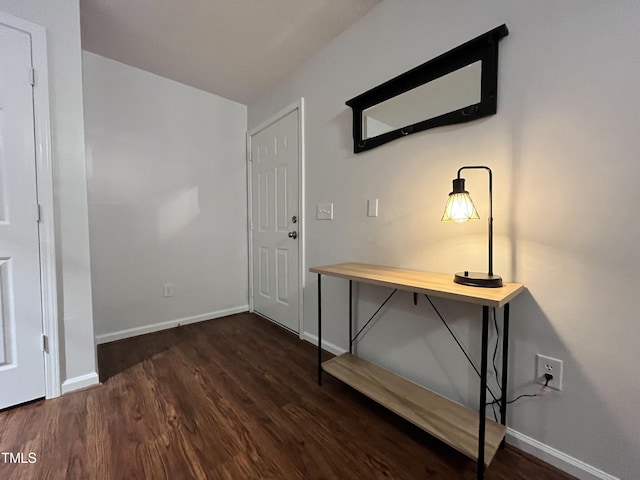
<point>459,207</point>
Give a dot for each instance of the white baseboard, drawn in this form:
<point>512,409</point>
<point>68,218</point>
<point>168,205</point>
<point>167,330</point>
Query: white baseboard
<point>155,327</point>
<point>554,457</point>
<point>77,383</point>
<point>330,347</point>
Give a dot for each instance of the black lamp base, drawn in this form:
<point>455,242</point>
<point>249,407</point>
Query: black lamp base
<point>477,279</point>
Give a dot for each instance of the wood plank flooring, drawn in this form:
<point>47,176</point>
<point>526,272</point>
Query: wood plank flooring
<point>234,398</point>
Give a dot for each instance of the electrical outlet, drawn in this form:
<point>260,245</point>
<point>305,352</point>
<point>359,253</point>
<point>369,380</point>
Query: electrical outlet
<point>550,365</point>
<point>167,290</point>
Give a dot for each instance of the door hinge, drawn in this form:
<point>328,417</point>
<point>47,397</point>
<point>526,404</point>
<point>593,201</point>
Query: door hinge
<point>45,343</point>
<point>38,213</point>
<point>32,76</point>
<point>250,155</point>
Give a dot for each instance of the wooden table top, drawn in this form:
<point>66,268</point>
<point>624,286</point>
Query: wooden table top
<point>434,284</point>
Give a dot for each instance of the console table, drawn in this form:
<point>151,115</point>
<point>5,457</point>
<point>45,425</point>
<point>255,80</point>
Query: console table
<point>469,432</point>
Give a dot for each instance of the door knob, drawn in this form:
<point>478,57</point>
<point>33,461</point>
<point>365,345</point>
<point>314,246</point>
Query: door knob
<point>293,235</point>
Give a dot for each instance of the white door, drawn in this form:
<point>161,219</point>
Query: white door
<point>276,220</point>
<point>21,356</point>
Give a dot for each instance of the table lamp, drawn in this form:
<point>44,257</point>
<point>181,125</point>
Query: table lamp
<point>460,208</point>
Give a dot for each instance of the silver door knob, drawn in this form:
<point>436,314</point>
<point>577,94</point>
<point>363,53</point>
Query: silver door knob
<point>293,235</point>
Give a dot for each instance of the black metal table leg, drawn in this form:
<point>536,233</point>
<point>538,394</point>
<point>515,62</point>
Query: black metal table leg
<point>319,329</point>
<point>350,316</point>
<point>505,363</point>
<point>483,391</point>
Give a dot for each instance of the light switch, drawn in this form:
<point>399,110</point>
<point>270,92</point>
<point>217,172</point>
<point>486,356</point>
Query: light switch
<point>372,207</point>
<point>324,211</point>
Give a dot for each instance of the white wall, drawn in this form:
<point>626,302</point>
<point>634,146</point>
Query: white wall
<point>62,21</point>
<point>167,200</point>
<point>564,150</point>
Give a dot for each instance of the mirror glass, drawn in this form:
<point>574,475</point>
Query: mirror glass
<point>456,90</point>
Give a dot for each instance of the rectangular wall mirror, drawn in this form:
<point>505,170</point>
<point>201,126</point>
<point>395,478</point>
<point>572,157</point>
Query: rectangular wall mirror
<point>458,86</point>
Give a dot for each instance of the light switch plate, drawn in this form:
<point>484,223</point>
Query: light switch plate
<point>324,211</point>
<point>372,207</point>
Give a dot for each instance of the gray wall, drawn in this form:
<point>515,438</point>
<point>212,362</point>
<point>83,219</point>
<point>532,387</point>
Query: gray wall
<point>564,150</point>
<point>166,173</point>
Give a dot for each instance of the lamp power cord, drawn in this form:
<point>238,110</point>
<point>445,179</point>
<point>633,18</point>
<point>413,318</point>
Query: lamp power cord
<point>544,389</point>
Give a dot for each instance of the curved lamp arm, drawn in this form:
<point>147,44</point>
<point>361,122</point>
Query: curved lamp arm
<point>482,167</point>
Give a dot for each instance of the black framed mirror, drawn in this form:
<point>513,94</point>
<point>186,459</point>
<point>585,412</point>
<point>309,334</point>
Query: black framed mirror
<point>458,86</point>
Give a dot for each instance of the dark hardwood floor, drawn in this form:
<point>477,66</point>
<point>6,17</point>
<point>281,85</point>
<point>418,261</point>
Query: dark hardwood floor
<point>233,398</point>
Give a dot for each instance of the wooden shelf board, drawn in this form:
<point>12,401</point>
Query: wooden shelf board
<point>435,284</point>
<point>450,422</point>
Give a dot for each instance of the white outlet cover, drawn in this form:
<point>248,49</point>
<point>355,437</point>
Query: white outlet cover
<point>550,365</point>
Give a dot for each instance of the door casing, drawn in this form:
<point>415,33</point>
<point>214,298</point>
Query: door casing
<point>299,106</point>
<point>44,179</point>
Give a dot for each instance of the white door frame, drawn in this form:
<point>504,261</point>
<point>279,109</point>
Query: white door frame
<point>299,106</point>
<point>44,179</point>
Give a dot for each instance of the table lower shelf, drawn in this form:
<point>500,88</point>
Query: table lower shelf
<point>448,421</point>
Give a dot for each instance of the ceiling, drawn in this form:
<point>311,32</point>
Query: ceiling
<point>237,49</point>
